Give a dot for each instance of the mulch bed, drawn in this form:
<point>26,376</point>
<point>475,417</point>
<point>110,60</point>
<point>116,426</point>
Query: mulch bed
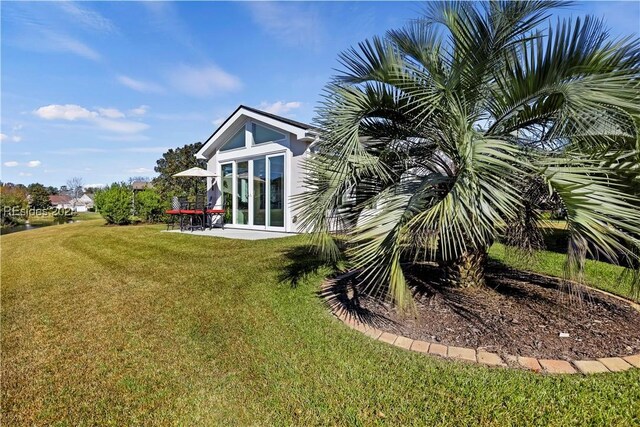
<point>517,313</point>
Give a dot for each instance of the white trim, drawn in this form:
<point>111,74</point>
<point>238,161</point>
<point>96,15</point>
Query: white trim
<point>285,194</point>
<point>234,191</point>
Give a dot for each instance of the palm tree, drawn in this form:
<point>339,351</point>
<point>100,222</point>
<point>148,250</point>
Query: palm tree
<point>447,134</point>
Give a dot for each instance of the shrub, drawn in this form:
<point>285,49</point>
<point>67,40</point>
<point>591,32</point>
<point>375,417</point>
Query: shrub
<point>114,203</point>
<point>13,203</point>
<point>149,206</point>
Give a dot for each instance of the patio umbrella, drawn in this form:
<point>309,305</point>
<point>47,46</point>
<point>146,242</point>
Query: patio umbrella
<point>195,172</point>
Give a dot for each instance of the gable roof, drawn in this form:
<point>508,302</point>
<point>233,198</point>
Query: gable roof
<point>276,117</point>
<point>302,130</point>
<point>141,185</point>
<point>59,199</point>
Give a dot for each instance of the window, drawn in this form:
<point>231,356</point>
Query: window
<point>262,135</point>
<point>236,141</point>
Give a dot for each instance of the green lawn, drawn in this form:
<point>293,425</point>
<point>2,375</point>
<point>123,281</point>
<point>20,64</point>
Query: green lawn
<point>601,275</point>
<point>127,325</point>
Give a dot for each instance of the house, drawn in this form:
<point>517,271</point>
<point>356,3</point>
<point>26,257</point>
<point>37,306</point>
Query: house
<point>60,201</point>
<point>257,157</point>
<point>86,200</point>
<point>141,185</point>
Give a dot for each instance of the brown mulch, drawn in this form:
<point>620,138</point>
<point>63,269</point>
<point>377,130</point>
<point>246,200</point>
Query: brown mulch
<point>517,313</point>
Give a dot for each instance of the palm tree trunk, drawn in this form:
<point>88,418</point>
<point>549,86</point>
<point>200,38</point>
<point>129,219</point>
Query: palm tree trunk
<point>466,271</point>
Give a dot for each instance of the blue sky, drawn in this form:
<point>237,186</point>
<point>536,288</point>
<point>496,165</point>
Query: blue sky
<point>100,90</point>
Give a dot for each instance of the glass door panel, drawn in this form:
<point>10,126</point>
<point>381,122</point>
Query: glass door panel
<point>227,191</point>
<point>276,191</point>
<point>242,191</point>
<point>259,192</point>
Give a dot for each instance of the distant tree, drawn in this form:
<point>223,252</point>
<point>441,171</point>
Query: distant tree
<point>52,190</point>
<point>13,201</point>
<point>174,161</point>
<point>39,196</point>
<point>74,186</point>
<point>91,190</point>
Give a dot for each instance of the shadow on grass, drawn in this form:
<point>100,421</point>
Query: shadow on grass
<point>557,240</point>
<point>304,261</point>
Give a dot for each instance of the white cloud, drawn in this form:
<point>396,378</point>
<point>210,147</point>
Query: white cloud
<point>145,149</point>
<point>64,112</point>
<point>25,174</point>
<point>31,164</point>
<point>294,24</point>
<point>279,107</point>
<point>78,150</point>
<point>3,136</point>
<point>203,81</point>
<point>94,185</point>
<point>125,138</point>
<point>16,138</point>
<point>64,43</point>
<point>121,126</point>
<point>111,113</point>
<point>140,170</point>
<point>196,116</point>
<point>43,29</point>
<point>218,121</point>
<point>87,18</point>
<point>104,118</point>
<point>140,111</point>
<point>140,85</point>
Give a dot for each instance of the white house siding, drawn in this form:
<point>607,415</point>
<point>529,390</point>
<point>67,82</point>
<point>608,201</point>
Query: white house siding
<point>299,151</point>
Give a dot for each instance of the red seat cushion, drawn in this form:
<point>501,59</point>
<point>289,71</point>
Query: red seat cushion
<point>172,212</point>
<point>191,212</point>
<point>215,211</point>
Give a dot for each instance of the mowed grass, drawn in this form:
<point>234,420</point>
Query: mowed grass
<point>602,275</point>
<point>128,325</point>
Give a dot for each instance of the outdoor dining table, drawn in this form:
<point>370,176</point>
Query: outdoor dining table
<point>196,217</point>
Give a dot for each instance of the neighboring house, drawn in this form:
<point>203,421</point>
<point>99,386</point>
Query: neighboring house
<point>86,200</point>
<point>257,157</point>
<point>60,201</point>
<point>141,185</point>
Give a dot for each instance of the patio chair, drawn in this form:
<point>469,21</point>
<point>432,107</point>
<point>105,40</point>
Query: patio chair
<point>174,213</point>
<point>212,213</point>
<point>179,208</point>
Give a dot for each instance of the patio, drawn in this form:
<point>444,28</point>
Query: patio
<point>231,233</point>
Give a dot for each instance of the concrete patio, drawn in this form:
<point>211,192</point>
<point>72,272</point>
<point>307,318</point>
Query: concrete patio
<point>235,233</point>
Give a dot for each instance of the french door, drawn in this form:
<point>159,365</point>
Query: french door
<point>253,191</point>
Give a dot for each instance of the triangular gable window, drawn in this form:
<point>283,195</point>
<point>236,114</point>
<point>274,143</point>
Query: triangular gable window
<point>236,141</point>
<point>262,135</point>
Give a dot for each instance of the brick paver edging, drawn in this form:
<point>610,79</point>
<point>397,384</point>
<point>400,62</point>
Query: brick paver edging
<point>550,366</point>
